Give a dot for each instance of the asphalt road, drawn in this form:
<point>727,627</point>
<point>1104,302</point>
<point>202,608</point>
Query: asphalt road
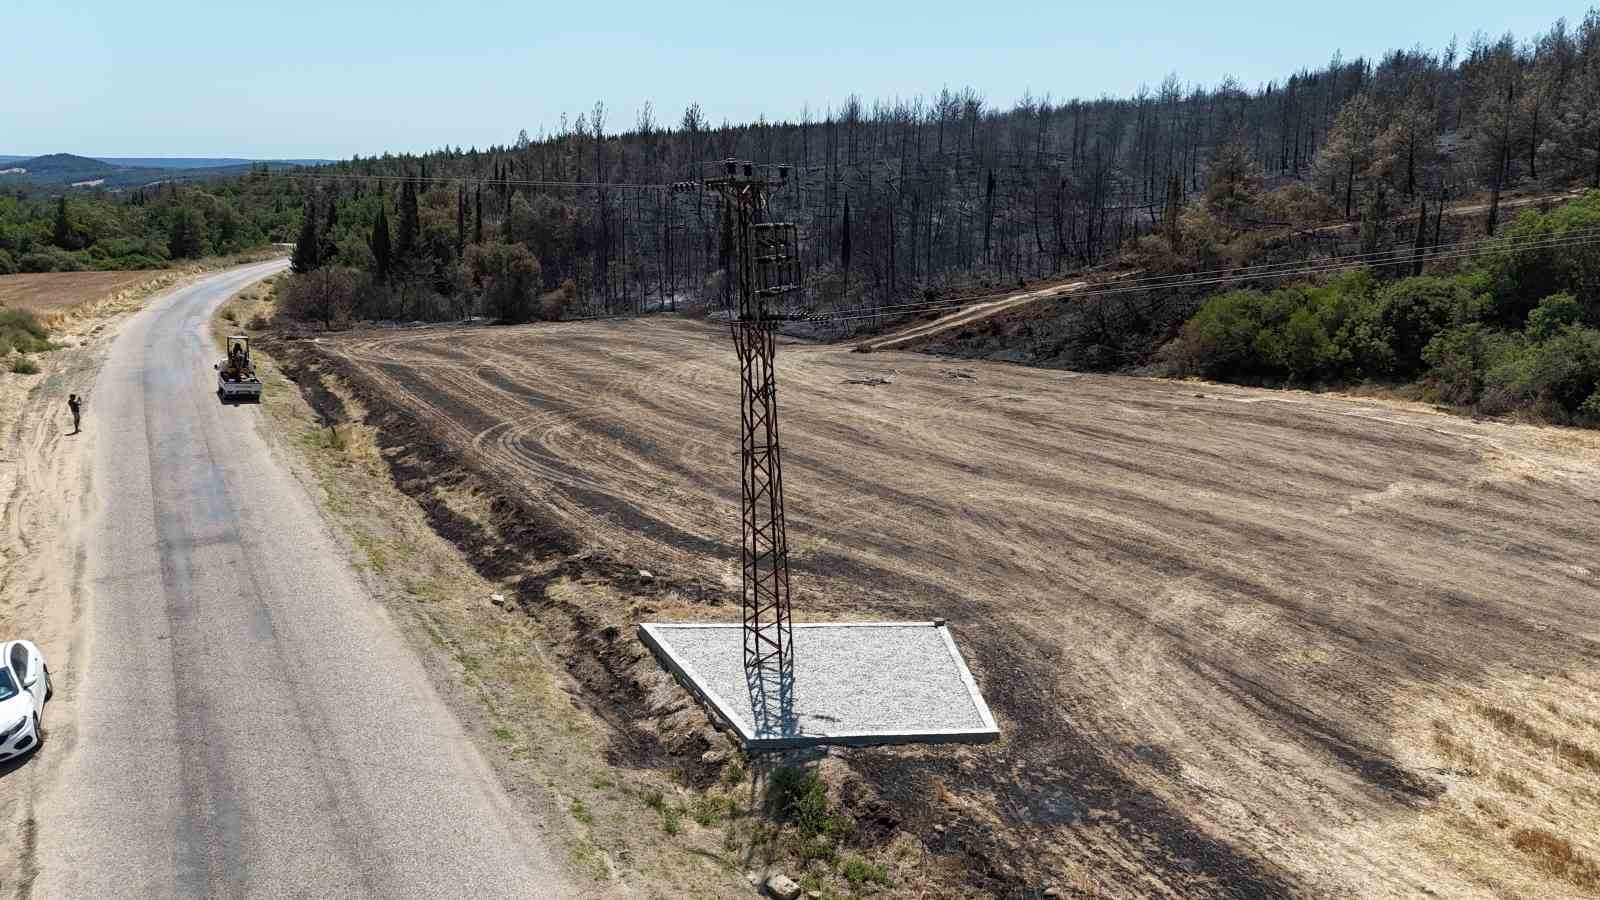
<point>249,721</point>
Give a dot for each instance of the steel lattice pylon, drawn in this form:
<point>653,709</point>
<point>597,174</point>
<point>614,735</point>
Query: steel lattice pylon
<point>767,636</point>
<point>766,265</point>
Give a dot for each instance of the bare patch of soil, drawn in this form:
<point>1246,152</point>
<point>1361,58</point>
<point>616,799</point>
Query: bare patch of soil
<point>52,292</point>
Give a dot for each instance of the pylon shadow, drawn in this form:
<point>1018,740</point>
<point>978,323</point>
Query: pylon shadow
<point>771,685</point>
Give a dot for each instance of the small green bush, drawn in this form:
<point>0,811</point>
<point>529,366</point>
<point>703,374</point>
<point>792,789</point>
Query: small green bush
<point>860,873</point>
<point>799,799</point>
<point>24,366</point>
<point>52,259</point>
<point>22,331</point>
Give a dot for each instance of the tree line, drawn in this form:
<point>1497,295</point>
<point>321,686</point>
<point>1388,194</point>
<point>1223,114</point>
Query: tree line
<point>926,196</point>
<point>145,228</point>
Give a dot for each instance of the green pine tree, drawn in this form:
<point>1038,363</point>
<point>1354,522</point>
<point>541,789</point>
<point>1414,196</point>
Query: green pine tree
<point>186,238</point>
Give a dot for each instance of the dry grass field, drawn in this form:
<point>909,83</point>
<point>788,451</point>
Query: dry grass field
<point>1240,642</point>
<point>47,293</point>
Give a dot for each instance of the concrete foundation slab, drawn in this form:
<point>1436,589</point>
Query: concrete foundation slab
<point>851,683</point>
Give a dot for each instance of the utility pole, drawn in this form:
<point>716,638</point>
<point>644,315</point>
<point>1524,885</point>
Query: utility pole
<point>766,265</point>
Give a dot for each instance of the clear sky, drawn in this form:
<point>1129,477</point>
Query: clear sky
<point>296,79</point>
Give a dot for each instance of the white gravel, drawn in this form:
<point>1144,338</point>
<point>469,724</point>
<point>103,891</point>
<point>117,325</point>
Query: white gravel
<point>866,683</point>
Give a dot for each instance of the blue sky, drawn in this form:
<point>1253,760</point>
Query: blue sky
<point>169,78</point>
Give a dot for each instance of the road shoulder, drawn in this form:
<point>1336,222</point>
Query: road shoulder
<point>44,487</point>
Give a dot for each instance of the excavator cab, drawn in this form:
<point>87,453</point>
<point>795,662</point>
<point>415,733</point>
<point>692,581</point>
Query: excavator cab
<point>238,354</point>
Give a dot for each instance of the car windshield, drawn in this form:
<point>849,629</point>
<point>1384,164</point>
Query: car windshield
<point>8,688</point>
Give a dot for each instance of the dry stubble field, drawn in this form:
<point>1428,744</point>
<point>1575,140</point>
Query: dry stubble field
<point>1240,642</point>
<point>52,292</point>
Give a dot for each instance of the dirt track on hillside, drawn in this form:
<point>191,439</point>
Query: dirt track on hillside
<point>1231,635</point>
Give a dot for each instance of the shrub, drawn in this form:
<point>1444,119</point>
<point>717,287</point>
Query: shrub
<point>1556,378</point>
<point>1301,333</point>
<point>509,274</point>
<point>1456,360</point>
<point>553,305</point>
<point>1553,313</point>
<point>50,259</point>
<point>859,872</point>
<point>1519,279</point>
<point>22,331</point>
<point>799,799</point>
<point>8,263</point>
<point>1298,202</point>
<point>24,366</point>
<point>1411,312</point>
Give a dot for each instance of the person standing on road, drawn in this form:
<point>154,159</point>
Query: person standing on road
<point>76,405</point>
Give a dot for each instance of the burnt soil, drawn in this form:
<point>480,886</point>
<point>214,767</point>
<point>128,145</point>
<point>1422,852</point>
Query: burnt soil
<point>1197,611</point>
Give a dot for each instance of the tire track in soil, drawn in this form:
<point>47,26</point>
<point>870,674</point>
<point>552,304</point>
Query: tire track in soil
<point>1169,599</point>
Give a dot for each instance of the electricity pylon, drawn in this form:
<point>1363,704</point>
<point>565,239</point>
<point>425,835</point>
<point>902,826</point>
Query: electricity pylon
<point>765,261</point>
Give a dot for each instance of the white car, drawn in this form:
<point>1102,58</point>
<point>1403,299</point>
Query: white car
<point>24,690</point>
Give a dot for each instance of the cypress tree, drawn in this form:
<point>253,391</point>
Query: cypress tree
<point>408,240</point>
<point>330,246</point>
<point>62,235</point>
<point>307,255</point>
<point>380,246</point>
<point>477,216</point>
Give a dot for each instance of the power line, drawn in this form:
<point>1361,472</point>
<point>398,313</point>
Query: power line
<point>463,179</point>
<point>1391,256</point>
<point>1579,237</point>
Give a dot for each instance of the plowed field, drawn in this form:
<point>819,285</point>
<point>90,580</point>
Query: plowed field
<point>1240,642</point>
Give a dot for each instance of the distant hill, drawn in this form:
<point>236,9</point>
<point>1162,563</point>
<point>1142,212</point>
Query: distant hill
<point>198,162</point>
<point>65,171</point>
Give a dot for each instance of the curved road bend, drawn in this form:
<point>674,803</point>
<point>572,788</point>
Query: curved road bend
<point>250,722</point>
